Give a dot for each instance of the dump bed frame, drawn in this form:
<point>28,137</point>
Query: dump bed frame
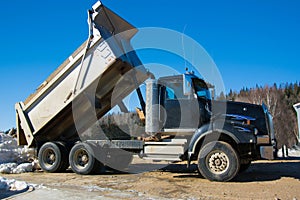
<point>84,81</point>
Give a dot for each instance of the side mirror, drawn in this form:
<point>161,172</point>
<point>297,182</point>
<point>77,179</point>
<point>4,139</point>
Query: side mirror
<point>187,85</point>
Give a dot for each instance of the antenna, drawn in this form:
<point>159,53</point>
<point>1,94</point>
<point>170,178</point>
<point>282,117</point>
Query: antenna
<point>193,56</point>
<point>182,43</point>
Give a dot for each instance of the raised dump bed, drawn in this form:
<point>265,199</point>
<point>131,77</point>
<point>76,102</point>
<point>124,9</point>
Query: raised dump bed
<point>80,90</point>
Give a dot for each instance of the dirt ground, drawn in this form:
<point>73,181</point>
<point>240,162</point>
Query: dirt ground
<point>279,179</point>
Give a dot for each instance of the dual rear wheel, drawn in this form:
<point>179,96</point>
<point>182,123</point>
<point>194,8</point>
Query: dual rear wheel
<point>56,157</point>
<point>53,157</point>
<point>82,160</point>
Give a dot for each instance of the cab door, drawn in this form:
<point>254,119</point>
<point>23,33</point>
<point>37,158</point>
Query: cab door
<point>180,111</point>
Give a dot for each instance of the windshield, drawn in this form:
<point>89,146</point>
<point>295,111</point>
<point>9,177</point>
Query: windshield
<point>201,89</point>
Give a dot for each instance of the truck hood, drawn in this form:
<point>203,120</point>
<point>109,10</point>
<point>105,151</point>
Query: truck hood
<point>241,113</point>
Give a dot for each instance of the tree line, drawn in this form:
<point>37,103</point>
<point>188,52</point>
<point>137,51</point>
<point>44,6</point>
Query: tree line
<point>280,100</point>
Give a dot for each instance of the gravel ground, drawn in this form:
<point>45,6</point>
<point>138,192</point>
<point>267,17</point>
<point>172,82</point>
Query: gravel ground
<point>279,179</point>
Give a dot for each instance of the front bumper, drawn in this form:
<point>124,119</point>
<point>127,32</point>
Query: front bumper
<point>267,152</point>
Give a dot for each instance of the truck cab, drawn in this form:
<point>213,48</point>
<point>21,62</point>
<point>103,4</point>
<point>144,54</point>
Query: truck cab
<point>222,136</point>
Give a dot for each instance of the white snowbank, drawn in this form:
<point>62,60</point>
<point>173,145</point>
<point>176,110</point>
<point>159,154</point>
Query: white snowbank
<point>13,158</point>
<point>11,152</point>
<point>14,168</point>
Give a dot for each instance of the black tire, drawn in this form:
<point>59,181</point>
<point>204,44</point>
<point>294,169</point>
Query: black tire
<point>52,157</point>
<point>218,161</point>
<point>82,160</point>
<point>244,166</point>
<point>64,156</point>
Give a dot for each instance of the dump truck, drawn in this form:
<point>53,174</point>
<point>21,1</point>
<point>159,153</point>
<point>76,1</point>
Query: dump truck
<point>181,120</point>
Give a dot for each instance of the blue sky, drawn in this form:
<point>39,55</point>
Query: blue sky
<point>251,41</point>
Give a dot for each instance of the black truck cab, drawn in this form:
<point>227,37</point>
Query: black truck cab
<point>223,136</point>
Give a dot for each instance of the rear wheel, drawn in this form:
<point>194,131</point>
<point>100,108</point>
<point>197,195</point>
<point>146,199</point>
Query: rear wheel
<point>64,156</point>
<point>53,157</point>
<point>82,160</point>
<point>218,161</point>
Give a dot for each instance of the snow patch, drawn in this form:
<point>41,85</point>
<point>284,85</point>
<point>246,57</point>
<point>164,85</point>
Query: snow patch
<point>12,185</point>
<point>292,152</point>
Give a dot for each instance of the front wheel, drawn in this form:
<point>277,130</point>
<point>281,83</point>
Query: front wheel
<point>218,161</point>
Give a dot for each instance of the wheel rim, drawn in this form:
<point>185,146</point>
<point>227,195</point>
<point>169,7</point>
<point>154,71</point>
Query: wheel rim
<point>218,162</point>
<point>81,159</point>
<point>49,157</point>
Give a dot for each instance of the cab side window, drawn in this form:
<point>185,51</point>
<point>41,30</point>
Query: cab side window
<point>174,91</point>
<point>170,94</point>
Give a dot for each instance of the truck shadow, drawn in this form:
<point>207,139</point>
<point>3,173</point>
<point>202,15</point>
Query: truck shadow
<point>269,171</point>
<point>258,171</point>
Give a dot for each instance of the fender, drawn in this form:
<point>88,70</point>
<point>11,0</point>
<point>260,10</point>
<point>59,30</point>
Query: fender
<point>237,134</point>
